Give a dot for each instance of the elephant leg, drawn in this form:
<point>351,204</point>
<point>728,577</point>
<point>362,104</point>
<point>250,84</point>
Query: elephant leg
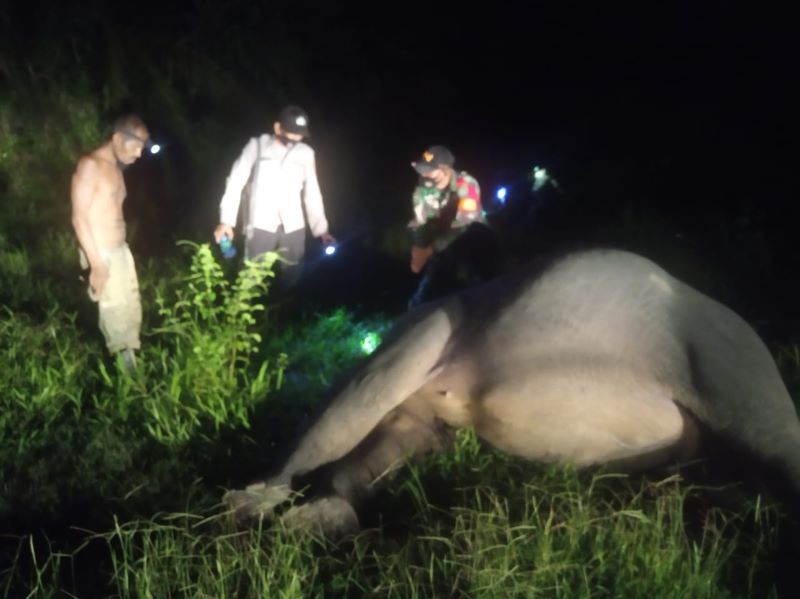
<point>409,431</point>
<point>744,401</point>
<point>408,360</point>
<point>398,370</point>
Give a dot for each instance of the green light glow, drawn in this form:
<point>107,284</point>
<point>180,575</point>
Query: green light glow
<point>370,342</point>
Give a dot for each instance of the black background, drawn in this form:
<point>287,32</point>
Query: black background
<point>682,111</point>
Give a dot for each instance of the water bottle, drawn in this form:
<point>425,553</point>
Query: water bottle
<point>226,247</point>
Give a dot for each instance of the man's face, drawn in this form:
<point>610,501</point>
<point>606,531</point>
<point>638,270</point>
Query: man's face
<point>440,176</point>
<point>128,145</point>
<point>292,137</point>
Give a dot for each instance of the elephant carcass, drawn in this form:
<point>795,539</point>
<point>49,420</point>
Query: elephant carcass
<point>601,357</point>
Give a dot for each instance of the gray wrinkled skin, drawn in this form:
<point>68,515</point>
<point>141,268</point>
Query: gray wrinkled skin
<point>602,358</point>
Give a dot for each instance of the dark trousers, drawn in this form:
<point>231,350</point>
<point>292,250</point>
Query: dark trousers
<point>292,248</point>
<point>471,258</point>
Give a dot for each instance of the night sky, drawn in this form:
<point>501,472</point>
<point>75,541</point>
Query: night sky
<point>681,109</point>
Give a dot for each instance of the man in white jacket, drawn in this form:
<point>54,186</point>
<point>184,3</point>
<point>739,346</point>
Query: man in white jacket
<point>282,175</point>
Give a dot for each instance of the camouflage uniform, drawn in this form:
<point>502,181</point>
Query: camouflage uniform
<point>441,215</point>
<point>452,222</point>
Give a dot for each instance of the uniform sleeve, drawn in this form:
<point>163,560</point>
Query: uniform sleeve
<point>240,173</point>
<point>469,201</point>
<point>312,196</point>
<point>417,201</point>
<point>425,232</point>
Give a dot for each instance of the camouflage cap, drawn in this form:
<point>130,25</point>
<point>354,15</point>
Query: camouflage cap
<point>433,158</point>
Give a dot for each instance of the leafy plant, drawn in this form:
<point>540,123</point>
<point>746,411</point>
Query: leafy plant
<point>200,368</point>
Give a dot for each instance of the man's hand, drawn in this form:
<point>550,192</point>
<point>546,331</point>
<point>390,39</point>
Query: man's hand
<point>223,229</point>
<point>420,257</point>
<point>98,277</point>
<point>327,239</point>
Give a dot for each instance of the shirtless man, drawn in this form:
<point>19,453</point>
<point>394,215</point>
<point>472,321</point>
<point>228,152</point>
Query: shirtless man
<point>98,191</point>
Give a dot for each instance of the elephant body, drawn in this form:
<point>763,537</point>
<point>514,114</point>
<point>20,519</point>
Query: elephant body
<point>601,357</point>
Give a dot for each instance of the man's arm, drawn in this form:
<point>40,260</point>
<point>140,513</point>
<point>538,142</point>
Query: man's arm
<point>423,234</point>
<point>462,209</point>
<point>82,193</point>
<point>312,196</point>
<point>240,173</point>
<point>469,201</point>
<point>424,231</point>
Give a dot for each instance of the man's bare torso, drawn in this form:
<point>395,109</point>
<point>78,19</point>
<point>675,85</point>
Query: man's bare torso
<point>105,214</point>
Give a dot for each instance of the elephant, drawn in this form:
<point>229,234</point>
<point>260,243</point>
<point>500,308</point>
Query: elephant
<point>597,358</point>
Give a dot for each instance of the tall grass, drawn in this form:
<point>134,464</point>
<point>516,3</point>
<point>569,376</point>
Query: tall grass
<point>182,555</point>
<point>73,422</point>
<point>555,533</point>
<point>201,369</point>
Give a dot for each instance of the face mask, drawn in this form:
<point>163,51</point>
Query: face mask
<point>426,182</point>
<point>285,140</point>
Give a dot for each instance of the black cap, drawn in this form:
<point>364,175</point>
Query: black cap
<point>433,158</point>
<point>294,119</point>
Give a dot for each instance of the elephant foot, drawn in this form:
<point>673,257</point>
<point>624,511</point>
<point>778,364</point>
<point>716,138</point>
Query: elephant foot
<point>256,502</point>
<point>331,517</point>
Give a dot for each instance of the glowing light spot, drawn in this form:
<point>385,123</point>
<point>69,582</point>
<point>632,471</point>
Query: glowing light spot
<point>501,194</point>
<point>330,250</point>
<point>155,149</point>
<point>370,342</point>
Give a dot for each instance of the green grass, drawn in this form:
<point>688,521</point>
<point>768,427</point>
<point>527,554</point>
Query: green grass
<point>555,533</point>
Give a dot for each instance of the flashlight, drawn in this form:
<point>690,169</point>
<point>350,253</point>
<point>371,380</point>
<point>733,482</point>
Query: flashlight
<point>370,342</point>
<point>152,147</point>
<point>501,194</point>
<point>330,250</point>
<point>226,247</point>
<point>540,178</point>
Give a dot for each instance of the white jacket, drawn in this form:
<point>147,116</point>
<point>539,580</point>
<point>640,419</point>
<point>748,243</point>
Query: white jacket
<point>282,177</point>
